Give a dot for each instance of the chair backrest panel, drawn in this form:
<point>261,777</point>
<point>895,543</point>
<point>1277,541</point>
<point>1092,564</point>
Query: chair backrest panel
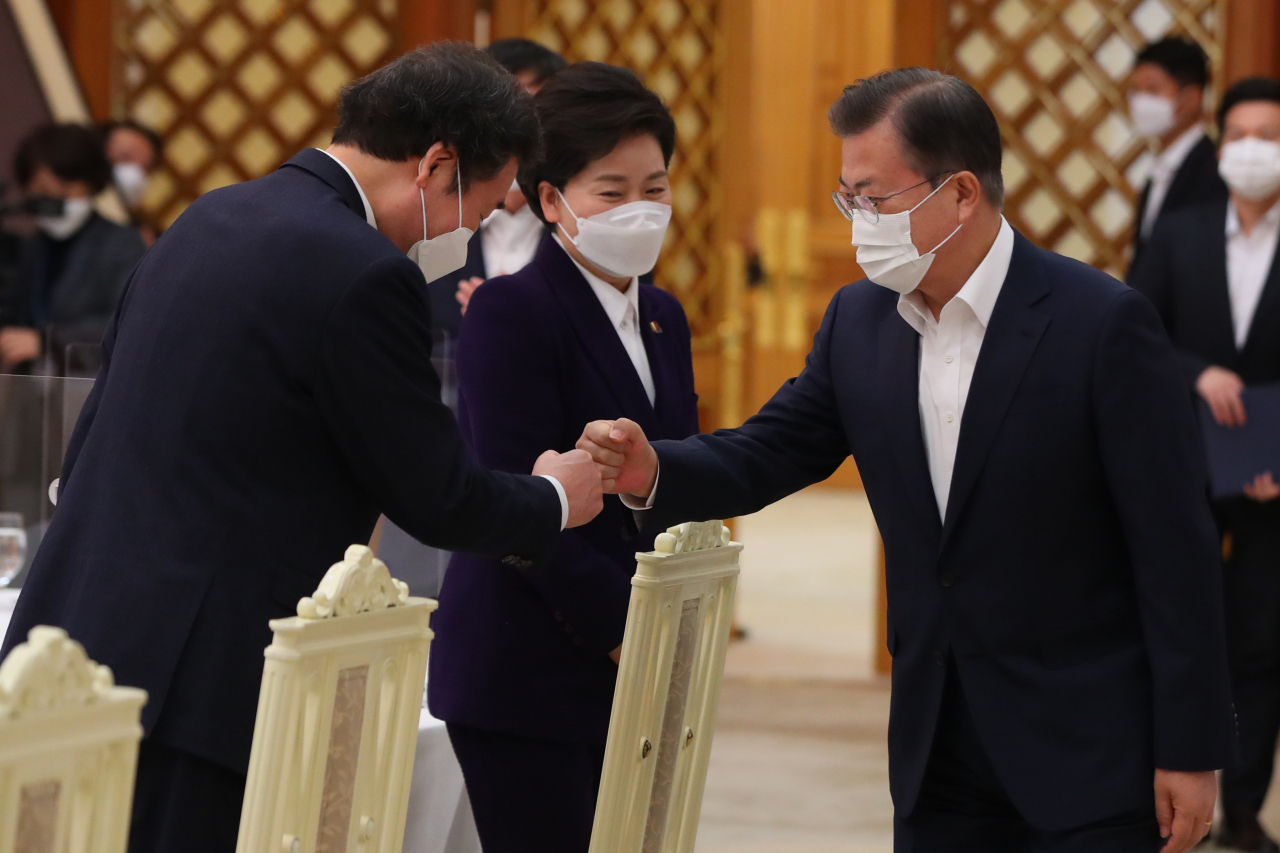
<point>668,691</point>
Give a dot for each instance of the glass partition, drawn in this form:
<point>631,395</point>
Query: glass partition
<point>37,416</point>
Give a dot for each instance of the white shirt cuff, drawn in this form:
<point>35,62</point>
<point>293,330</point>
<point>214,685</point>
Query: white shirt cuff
<point>564,500</point>
<point>634,503</point>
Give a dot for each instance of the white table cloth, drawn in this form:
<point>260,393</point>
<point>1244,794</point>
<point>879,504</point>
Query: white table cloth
<point>439,818</point>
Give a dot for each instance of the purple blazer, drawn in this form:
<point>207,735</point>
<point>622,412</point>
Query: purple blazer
<point>525,652</point>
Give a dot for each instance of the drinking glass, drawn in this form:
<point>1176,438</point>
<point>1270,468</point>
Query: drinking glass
<point>13,546</point>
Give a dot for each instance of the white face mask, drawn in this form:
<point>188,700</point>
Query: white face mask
<point>886,253</point>
<point>624,240</point>
<point>1251,167</point>
<point>439,256</point>
<point>75,214</point>
<point>131,181</point>
<point>1152,115</point>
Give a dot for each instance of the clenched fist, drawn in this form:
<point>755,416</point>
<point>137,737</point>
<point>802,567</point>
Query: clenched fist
<point>628,463</point>
<point>579,477</point>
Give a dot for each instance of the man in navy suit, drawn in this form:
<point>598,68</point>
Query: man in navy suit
<point>1029,450</point>
<point>266,392</point>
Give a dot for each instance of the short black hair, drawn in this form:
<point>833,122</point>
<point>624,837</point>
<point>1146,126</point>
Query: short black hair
<point>1183,59</point>
<point>73,152</point>
<point>450,92</point>
<point>520,55</point>
<point>944,124</point>
<point>153,139</point>
<point>1248,89</point>
<point>585,111</point>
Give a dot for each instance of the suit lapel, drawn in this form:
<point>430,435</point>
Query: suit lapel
<point>1216,303</point>
<point>597,334</point>
<point>1011,338</point>
<point>900,375</point>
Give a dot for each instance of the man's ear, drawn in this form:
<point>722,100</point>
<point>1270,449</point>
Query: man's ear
<point>968,194</point>
<point>439,161</point>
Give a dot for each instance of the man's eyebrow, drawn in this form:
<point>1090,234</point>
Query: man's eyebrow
<point>662,173</point>
<point>614,179</point>
<point>860,185</point>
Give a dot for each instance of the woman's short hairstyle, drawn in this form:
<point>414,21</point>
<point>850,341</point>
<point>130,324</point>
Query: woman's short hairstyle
<point>154,139</point>
<point>585,111</point>
<point>944,124</point>
<point>1248,89</point>
<point>73,152</point>
<point>519,55</point>
<point>450,92</point>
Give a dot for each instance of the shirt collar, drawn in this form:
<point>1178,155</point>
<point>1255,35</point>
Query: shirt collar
<point>368,209</point>
<point>1271,217</point>
<point>1168,160</point>
<point>614,301</point>
<point>979,293</point>
<point>523,220</point>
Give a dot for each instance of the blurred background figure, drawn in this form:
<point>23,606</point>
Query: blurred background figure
<point>1166,105</point>
<point>71,272</point>
<point>524,663</point>
<point>508,237</point>
<point>1210,270</point>
<point>133,150</point>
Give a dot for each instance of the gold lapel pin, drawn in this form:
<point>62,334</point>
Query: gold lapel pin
<point>655,326</point>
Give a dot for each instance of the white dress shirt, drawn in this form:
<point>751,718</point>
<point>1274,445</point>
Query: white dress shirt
<point>1249,258</point>
<point>368,215</point>
<point>364,199</point>
<point>949,348</point>
<point>623,310</point>
<point>509,240</point>
<point>1166,165</point>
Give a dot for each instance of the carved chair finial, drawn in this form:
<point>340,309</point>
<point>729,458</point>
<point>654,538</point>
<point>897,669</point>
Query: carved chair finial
<point>359,583</point>
<point>692,536</point>
<point>49,671</point>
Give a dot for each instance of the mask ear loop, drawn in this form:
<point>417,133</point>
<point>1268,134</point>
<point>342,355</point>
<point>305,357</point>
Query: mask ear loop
<point>423,198</point>
<point>926,198</point>
<point>458,171</point>
<point>577,218</point>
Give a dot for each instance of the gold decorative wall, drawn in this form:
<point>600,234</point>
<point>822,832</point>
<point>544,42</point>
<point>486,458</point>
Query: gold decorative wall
<point>1055,73</point>
<point>236,87</point>
<point>676,46</point>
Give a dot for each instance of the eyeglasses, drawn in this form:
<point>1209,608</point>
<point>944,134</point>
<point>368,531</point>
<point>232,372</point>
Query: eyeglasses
<point>865,206</point>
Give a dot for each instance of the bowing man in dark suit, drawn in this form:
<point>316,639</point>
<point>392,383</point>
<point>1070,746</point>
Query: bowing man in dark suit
<point>1166,105</point>
<point>266,392</point>
<point>1212,275</point>
<point>1030,453</point>
<point>524,662</point>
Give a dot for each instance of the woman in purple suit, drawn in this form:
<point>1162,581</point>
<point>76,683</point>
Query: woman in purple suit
<point>524,662</point>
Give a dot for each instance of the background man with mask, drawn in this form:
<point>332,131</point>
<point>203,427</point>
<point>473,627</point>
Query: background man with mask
<point>1211,273</point>
<point>1029,450</point>
<point>72,272</point>
<point>267,391</point>
<point>133,150</point>
<point>1166,104</point>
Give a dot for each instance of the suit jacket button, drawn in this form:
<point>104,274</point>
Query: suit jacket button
<point>939,658</point>
<point>946,578</point>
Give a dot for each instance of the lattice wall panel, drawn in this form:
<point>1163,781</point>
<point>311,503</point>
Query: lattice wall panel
<point>236,87</point>
<point>1055,73</point>
<point>676,47</point>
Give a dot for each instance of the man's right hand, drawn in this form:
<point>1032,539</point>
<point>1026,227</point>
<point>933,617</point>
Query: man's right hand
<point>628,463</point>
<point>579,476</point>
<point>1221,389</point>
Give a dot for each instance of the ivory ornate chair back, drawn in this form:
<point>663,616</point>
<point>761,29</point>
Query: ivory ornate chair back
<point>664,707</point>
<point>337,721</point>
<point>68,749</point>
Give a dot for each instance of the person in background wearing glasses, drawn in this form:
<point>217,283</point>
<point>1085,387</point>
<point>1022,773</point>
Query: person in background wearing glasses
<point>1030,452</point>
<point>1211,273</point>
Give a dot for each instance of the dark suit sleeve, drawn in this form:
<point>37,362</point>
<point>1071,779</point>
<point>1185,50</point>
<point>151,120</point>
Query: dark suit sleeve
<point>1150,450</point>
<point>515,409</point>
<point>1153,276</point>
<point>380,399</point>
<point>794,441</point>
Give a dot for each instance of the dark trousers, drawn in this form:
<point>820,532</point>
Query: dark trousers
<point>963,808</point>
<point>529,795</point>
<point>1252,598</point>
<point>183,803</point>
